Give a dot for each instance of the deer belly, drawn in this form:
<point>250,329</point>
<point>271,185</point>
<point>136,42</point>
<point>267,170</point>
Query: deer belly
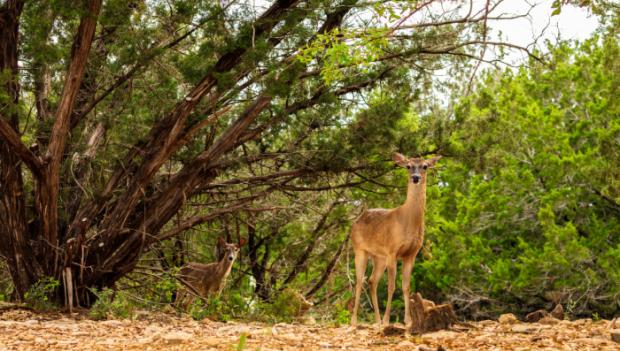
<point>409,249</point>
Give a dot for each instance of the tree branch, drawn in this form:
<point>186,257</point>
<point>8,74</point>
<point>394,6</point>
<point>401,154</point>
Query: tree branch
<point>28,157</point>
<point>48,207</point>
<point>329,269</point>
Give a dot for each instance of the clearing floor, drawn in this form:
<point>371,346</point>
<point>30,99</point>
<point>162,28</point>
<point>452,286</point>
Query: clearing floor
<point>25,330</point>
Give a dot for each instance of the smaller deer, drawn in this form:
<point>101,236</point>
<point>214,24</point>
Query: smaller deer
<point>207,279</point>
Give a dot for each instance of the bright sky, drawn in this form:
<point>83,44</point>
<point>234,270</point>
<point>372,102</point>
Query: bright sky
<point>572,23</point>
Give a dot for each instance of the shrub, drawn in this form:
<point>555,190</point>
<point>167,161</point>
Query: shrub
<point>110,304</point>
<point>39,294</point>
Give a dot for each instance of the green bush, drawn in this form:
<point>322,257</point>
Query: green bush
<point>39,295</point>
<point>527,211</point>
<point>111,304</point>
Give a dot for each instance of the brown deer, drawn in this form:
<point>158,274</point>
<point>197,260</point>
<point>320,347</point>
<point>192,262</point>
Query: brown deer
<point>207,279</point>
<point>387,235</point>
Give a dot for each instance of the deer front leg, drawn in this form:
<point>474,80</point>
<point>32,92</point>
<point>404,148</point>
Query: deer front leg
<point>361,258</point>
<point>391,267</point>
<point>407,269</point>
<point>377,271</point>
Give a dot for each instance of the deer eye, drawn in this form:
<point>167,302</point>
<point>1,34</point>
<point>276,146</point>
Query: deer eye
<point>425,166</point>
<point>408,166</point>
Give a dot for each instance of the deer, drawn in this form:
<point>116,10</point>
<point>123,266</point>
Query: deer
<point>386,235</point>
<point>204,280</point>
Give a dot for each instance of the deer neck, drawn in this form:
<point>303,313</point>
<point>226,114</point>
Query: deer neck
<point>224,267</point>
<point>414,206</point>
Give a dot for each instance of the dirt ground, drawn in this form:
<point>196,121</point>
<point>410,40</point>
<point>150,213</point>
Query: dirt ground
<point>25,330</point>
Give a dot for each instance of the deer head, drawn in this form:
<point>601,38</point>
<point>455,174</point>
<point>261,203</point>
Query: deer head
<point>228,251</point>
<point>416,167</point>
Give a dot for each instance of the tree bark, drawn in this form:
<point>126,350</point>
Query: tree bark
<point>49,185</point>
<point>14,236</point>
<point>427,317</point>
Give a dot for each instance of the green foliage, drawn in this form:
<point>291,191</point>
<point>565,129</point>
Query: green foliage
<point>529,203</point>
<point>342,316</point>
<point>165,288</point>
<point>224,308</point>
<point>525,203</point>
<point>111,304</point>
<point>287,305</point>
<point>39,295</point>
<point>241,343</point>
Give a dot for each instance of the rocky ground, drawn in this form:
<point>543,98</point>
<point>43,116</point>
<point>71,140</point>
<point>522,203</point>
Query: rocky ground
<point>25,330</point>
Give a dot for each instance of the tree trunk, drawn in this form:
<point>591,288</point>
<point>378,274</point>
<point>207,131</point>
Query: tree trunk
<point>14,235</point>
<point>93,241</point>
<point>427,317</point>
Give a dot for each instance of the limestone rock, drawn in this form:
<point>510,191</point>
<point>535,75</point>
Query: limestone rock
<point>176,337</point>
<point>392,330</point>
<point>558,312</point>
<point>549,320</point>
<point>507,318</point>
<point>523,328</point>
<point>536,316</point>
<point>615,335</point>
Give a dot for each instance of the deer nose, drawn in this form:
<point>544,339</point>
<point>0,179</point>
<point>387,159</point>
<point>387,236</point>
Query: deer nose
<point>416,179</point>
<point>230,258</point>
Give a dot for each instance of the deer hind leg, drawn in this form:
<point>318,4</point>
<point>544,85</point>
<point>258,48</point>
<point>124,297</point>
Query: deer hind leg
<point>407,269</point>
<point>361,258</point>
<point>391,268</point>
<point>377,271</point>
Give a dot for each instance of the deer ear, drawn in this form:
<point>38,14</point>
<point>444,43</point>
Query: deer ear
<point>434,160</point>
<point>241,242</point>
<point>221,241</point>
<point>399,159</point>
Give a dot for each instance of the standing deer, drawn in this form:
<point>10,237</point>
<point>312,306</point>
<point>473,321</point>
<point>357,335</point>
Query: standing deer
<point>210,278</point>
<point>387,235</point>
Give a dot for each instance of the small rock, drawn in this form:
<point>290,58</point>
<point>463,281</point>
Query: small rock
<point>405,344</point>
<point>522,328</point>
<point>595,342</point>
<point>507,318</point>
<point>176,337</point>
<point>536,316</point>
<point>39,340</point>
<point>549,320</point>
<point>391,330</point>
<point>442,334</point>
<point>615,335</point>
<point>112,323</point>
<point>291,337</point>
<point>582,321</point>
<point>32,322</point>
<point>425,348</point>
<point>558,312</point>
<point>308,320</point>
